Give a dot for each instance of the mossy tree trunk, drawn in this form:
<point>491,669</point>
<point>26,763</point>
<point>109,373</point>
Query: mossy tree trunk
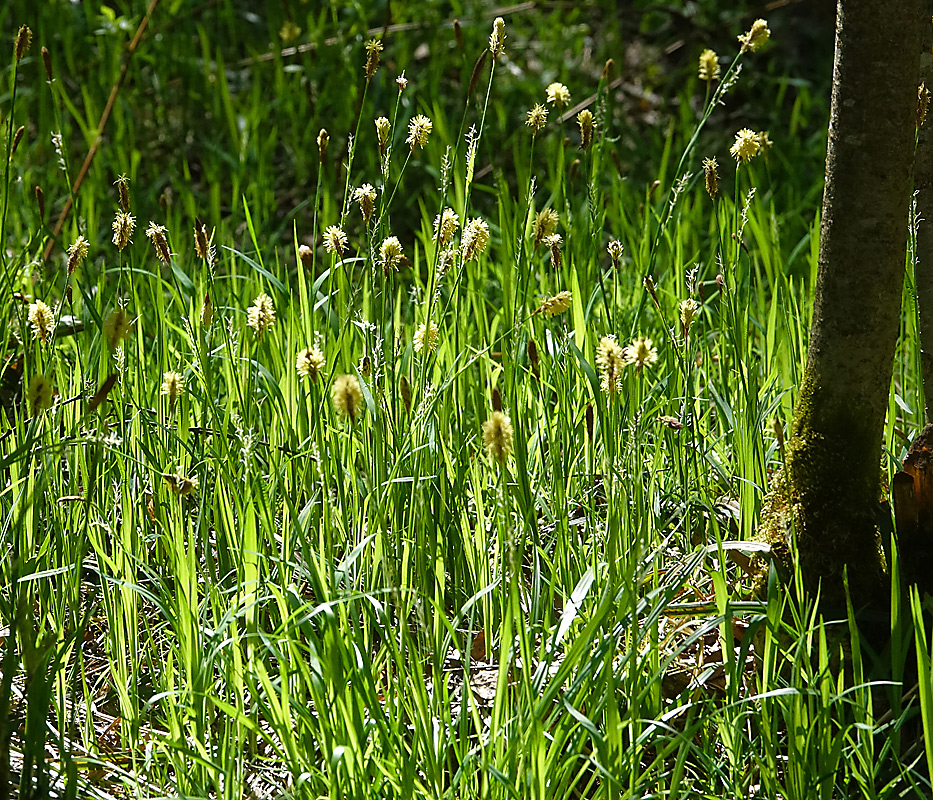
<point>834,457</point>
<point>923,255</point>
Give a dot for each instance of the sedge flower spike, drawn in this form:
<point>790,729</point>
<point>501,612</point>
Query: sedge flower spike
<point>558,95</point>
<point>475,239</point>
<point>497,436</point>
<point>757,35</point>
<point>335,240</point>
<point>419,128</point>
<point>77,253</point>
<point>42,321</point>
<point>173,385</point>
<point>310,363</point>
<point>587,124</point>
<point>497,38</point>
<point>390,254</point>
<point>536,118</point>
<point>445,226</point>
<point>747,145</point>
<point>261,314</point>
<point>610,360</point>
<point>641,352</point>
<point>347,396</point>
<point>711,173</point>
<point>709,66</point>
<point>555,305</point>
<point>426,337</point>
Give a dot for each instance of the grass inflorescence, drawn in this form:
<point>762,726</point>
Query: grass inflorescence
<point>370,431</point>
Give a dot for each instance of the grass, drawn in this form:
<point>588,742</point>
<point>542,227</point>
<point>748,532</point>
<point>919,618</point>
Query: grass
<point>245,590</point>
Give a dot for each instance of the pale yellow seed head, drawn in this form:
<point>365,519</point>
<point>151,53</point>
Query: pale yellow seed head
<point>419,128</point>
<point>688,310</point>
<point>497,436</point>
<point>587,124</point>
<point>709,66</point>
<point>390,254</point>
<point>366,197</point>
<point>536,118</point>
<point>757,35</point>
<point>746,146</point>
<point>475,239</point>
<point>614,248</point>
<point>180,484</point>
<point>610,360</point>
<point>173,385</point>
<point>261,314</point>
<point>641,353</point>
<point>123,226</point>
<point>445,226</point>
<point>310,363</point>
<point>42,321</point>
<point>558,95</point>
<point>555,305</point>
<point>383,129</point>
<point>117,327</point>
<point>497,38</point>
<point>156,234</point>
<point>426,337</point>
<point>347,396</point>
<point>335,240</point>
<point>77,253</point>
<point>545,224</point>
<point>373,49</point>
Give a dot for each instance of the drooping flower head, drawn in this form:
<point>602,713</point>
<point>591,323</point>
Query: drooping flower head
<point>555,305</point>
<point>757,35</point>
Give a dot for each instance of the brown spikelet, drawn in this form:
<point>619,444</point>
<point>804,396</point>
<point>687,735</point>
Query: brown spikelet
<point>608,67</point>
<point>40,201</point>
<point>17,137</point>
<point>23,40</point>
<point>405,391</point>
<point>47,62</point>
<point>589,421</point>
<point>101,394</point>
<point>533,358</point>
<point>496,399</point>
<point>458,35</point>
<point>477,69</point>
<point>123,189</point>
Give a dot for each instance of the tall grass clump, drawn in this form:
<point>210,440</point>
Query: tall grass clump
<point>440,480</point>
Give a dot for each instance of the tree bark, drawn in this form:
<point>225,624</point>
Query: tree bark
<point>834,457</point>
<point>923,252</point>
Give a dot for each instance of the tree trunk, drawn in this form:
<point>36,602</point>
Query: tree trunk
<point>923,253</point>
<point>834,457</point>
